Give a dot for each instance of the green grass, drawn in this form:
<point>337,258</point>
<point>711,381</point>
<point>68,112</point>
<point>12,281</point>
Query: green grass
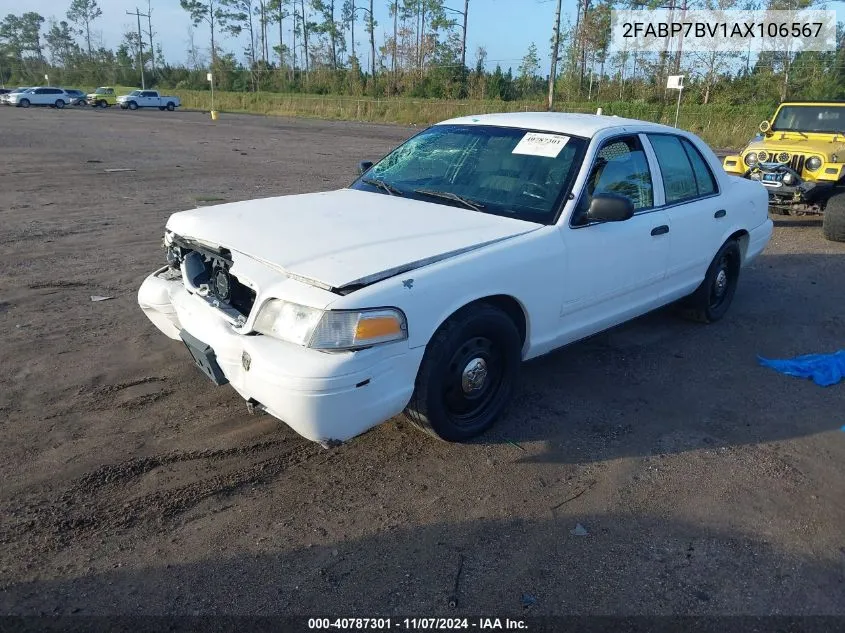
<point>721,126</point>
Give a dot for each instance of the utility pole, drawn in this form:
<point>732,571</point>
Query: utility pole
<point>555,52</point>
<point>150,29</point>
<point>138,15</point>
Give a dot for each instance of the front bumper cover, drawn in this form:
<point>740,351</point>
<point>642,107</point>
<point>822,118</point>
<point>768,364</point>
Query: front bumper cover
<point>325,397</point>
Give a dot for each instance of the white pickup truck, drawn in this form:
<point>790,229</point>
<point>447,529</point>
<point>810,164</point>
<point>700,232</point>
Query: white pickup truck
<point>148,99</point>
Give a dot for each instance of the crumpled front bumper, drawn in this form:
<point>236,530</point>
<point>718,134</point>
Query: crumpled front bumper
<point>325,397</point>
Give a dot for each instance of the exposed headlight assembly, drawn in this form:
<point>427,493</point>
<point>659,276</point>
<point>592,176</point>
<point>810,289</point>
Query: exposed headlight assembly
<point>813,163</point>
<point>751,159</point>
<point>330,329</point>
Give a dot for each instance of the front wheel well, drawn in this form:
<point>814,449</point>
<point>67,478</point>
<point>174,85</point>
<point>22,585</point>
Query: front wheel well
<point>507,304</point>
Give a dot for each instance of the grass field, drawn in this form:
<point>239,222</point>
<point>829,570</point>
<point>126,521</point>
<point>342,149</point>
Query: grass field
<point>721,126</point>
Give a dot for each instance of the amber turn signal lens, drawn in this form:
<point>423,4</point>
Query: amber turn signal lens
<point>377,327</point>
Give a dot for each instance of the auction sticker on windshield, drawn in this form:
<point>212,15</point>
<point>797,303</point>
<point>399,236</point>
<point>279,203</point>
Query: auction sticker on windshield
<point>538,144</point>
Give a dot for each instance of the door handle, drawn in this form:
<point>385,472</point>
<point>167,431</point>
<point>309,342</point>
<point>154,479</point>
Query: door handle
<point>720,213</point>
<point>660,230</point>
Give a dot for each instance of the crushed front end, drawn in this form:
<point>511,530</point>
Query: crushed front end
<point>210,297</point>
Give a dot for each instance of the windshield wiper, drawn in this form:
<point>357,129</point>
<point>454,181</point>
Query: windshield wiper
<point>448,195</point>
<point>385,186</point>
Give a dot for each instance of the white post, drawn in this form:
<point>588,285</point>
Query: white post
<point>210,79</point>
<point>678,107</point>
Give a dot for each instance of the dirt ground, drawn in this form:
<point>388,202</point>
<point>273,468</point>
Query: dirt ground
<point>131,484</point>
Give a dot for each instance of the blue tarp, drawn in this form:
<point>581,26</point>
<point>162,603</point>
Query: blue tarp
<point>824,369</point>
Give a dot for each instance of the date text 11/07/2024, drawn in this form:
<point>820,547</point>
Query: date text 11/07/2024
<point>416,624</point>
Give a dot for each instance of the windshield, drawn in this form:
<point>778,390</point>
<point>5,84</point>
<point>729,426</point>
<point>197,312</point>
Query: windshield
<point>134,93</point>
<point>102,91</point>
<point>498,170</point>
<point>815,118</point>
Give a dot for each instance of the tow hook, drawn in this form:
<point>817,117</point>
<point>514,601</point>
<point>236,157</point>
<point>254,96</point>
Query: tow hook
<point>254,406</point>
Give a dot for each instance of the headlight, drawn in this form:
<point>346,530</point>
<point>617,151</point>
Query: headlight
<point>813,163</point>
<point>330,329</point>
<point>751,159</point>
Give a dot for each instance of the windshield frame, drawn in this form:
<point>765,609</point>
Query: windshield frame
<point>832,105</point>
<point>549,219</point>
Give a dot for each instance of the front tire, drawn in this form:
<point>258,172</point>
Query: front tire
<point>60,104</point>
<point>133,105</point>
<point>710,302</point>
<point>24,103</point>
<point>468,374</point>
<point>102,103</point>
<point>833,219</point>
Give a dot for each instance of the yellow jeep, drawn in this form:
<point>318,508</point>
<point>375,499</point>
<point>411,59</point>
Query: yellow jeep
<point>800,159</point>
<point>102,97</point>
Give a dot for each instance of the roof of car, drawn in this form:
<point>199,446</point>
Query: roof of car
<point>587,125</point>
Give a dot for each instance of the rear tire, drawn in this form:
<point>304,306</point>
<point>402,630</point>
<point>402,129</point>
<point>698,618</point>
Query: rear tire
<point>60,104</point>
<point>171,106</point>
<point>711,300</point>
<point>468,374</point>
<point>161,108</point>
<point>833,219</point>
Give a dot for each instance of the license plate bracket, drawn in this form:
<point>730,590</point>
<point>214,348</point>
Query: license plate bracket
<point>204,358</point>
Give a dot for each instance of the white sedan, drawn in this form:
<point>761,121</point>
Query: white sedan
<point>477,244</point>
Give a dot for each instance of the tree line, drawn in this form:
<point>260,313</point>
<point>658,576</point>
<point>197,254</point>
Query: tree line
<point>339,47</point>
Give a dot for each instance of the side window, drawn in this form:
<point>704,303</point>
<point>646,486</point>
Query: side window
<point>38,91</point>
<point>703,176</point>
<point>686,175</point>
<point>620,168</point>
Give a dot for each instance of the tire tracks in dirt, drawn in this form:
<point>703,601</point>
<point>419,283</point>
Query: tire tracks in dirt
<point>114,497</point>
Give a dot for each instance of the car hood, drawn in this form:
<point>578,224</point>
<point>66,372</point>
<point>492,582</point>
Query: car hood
<point>345,237</point>
<point>794,143</point>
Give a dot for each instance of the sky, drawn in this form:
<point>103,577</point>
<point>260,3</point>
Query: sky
<point>504,27</point>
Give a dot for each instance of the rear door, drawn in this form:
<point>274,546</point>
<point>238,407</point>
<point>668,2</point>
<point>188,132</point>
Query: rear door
<point>615,270</point>
<point>695,210</point>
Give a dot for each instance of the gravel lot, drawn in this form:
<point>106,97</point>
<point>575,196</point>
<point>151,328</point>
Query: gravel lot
<point>707,484</point>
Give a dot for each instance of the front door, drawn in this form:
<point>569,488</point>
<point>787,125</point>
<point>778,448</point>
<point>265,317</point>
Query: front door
<point>614,270</point>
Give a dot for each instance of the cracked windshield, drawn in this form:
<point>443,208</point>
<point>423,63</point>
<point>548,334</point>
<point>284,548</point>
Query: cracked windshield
<point>503,171</point>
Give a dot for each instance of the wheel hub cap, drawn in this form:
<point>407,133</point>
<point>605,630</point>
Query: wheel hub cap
<point>474,375</point>
<point>721,282</point>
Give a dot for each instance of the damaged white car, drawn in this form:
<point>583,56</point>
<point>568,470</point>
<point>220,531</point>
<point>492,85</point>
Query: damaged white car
<point>477,244</point>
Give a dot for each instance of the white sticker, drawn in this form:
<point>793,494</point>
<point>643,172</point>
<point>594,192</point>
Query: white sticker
<point>537,144</point>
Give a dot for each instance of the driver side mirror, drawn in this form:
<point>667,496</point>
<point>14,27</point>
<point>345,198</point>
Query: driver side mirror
<point>363,166</point>
<point>765,126</point>
<point>606,207</point>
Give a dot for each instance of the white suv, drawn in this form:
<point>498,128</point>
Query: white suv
<point>55,97</point>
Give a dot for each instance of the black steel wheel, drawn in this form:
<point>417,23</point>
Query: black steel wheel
<point>710,302</point>
<point>468,374</point>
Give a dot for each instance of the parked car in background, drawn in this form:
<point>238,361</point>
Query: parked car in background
<point>5,91</point>
<point>799,157</point>
<point>102,97</point>
<point>148,99</point>
<point>42,96</point>
<point>481,242</point>
<point>77,97</point>
<point>6,98</point>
